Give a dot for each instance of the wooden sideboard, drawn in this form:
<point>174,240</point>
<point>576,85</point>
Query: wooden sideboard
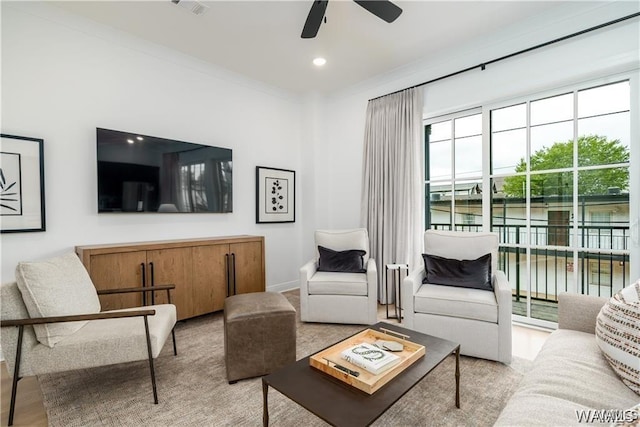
<point>205,271</point>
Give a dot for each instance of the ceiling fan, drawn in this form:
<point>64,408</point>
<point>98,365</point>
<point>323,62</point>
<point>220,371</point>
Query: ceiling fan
<point>383,9</point>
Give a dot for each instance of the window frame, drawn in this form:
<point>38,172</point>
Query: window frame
<point>536,94</point>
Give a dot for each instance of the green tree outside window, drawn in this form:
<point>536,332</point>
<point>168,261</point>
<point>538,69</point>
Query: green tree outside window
<point>592,150</point>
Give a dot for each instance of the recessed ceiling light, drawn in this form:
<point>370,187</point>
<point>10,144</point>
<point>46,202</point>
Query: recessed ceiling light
<point>139,138</point>
<point>319,61</point>
<point>130,141</point>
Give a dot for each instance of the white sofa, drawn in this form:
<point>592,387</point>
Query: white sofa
<point>570,374</point>
<point>331,297</point>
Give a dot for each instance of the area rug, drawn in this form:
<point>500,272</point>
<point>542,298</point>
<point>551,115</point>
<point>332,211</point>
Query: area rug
<point>193,391</point>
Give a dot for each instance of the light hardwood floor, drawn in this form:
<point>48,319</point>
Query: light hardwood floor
<point>30,410</point>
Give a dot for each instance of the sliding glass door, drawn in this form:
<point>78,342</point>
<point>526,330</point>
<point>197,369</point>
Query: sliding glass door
<point>560,169</point>
<point>551,174</point>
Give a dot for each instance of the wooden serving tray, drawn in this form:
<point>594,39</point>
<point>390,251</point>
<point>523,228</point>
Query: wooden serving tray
<point>367,382</point>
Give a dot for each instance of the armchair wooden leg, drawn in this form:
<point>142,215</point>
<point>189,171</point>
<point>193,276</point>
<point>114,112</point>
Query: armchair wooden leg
<point>153,374</point>
<point>16,372</point>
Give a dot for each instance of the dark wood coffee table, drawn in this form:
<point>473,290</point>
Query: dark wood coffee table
<point>340,404</point>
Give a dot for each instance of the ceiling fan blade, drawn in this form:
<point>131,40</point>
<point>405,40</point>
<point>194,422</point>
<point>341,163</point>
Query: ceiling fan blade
<point>314,19</point>
<point>383,9</point>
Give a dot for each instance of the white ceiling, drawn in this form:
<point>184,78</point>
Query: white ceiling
<point>261,39</point>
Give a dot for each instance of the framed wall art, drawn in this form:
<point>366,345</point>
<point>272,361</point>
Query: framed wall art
<point>21,184</point>
<point>275,195</point>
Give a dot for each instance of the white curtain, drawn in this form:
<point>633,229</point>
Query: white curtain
<point>393,181</point>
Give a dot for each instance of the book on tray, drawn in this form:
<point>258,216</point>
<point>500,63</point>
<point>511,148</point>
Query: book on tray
<point>370,358</point>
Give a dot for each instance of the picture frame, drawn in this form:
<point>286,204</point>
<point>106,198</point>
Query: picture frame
<point>22,206</point>
<point>275,195</point>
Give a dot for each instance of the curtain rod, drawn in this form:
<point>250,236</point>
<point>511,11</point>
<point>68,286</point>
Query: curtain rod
<point>511,55</point>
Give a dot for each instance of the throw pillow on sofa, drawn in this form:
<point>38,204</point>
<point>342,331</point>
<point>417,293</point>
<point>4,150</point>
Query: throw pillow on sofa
<point>58,286</point>
<point>618,332</point>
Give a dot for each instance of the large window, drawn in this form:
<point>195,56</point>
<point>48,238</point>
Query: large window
<point>558,172</point>
<point>454,172</point>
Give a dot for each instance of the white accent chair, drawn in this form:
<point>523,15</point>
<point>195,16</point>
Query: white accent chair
<point>479,320</point>
<point>331,297</point>
<point>51,322</point>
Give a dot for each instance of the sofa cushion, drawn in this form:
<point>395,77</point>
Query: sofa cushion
<point>466,303</point>
<point>329,283</point>
<point>349,261</point>
<point>618,334</point>
<point>569,374</point>
<point>57,286</point>
<point>475,274</point>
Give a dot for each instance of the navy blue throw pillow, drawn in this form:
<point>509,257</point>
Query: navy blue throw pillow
<point>349,261</point>
<point>475,274</point>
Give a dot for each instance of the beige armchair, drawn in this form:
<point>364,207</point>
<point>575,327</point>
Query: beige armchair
<point>51,322</point>
<point>478,319</point>
<point>340,296</point>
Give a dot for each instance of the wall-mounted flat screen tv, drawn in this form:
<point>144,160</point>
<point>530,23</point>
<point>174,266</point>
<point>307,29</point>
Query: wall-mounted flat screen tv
<point>141,173</point>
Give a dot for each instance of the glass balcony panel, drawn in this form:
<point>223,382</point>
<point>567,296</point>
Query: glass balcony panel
<point>604,140</point>
<point>513,262</point>
<point>440,131</point>
<point>439,160</point>
<point>603,274</point>
<point>604,99</point>
<point>608,182</point>
<point>551,209</point>
<point>545,186</point>
<point>468,205</point>
<point>468,126</point>
<point>439,203</point>
<point>603,213</point>
<point>552,272</point>
<point>552,146</point>
<point>551,110</point>
<point>468,157</point>
<point>508,151</point>
<point>513,117</point>
<point>508,215</point>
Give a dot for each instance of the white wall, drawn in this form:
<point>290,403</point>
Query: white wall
<point>607,51</point>
<point>63,76</point>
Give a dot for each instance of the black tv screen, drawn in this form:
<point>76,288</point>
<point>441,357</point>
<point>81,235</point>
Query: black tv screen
<point>141,173</point>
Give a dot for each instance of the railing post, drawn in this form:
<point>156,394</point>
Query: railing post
<point>517,264</point>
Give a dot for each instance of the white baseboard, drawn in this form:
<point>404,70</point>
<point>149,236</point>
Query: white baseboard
<point>282,287</point>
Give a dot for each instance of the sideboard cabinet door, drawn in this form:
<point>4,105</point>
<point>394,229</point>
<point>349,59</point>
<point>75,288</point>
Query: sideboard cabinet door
<point>118,270</point>
<point>210,272</point>
<point>248,267</point>
<point>173,266</point>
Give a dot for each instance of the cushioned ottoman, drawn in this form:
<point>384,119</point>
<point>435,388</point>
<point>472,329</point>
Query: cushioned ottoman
<point>259,334</point>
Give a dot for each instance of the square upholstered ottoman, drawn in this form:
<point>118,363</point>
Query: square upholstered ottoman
<point>259,334</point>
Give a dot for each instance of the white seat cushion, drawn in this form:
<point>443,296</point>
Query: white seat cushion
<point>466,303</point>
<point>105,342</point>
<point>329,283</point>
<point>57,286</point>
